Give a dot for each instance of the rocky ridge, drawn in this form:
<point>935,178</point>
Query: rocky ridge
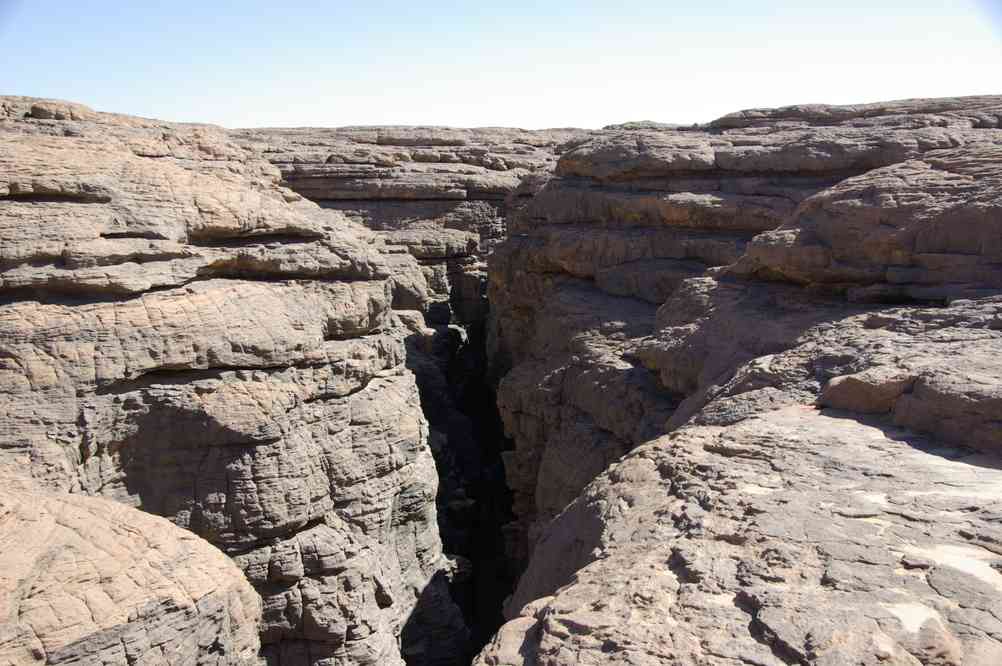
<point>789,322</point>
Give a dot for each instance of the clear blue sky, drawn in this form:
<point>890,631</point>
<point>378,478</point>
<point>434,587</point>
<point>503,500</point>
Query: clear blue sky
<point>529,64</point>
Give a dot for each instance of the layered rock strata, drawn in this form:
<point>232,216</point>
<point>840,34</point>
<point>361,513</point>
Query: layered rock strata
<point>748,371</point>
<point>181,334</point>
<point>441,195</point>
<point>790,322</point>
<point>437,200</point>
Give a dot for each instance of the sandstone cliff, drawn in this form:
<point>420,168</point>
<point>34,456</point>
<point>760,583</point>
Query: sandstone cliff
<point>180,334</point>
<point>805,305</point>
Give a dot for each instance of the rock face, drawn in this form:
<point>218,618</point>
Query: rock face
<point>180,334</point>
<point>437,200</point>
<point>749,401</point>
<point>91,581</point>
<point>438,196</point>
<point>789,321</point>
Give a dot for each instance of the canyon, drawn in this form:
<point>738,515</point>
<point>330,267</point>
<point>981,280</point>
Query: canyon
<point>652,394</point>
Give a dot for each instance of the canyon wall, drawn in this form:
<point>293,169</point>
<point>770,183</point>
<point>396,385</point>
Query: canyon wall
<point>182,335</point>
<point>438,200</point>
<point>185,334</point>
<point>790,322</point>
<point>720,394</point>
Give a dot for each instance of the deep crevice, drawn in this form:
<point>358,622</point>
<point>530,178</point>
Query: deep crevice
<point>474,502</point>
<point>57,197</point>
<point>494,574</point>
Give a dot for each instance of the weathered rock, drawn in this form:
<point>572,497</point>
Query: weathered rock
<point>181,334</point>
<point>964,112</point>
<point>748,369</point>
<point>438,192</point>
<point>791,537</point>
<point>436,201</point>
<point>923,229</point>
<point>91,581</point>
<point>827,487</point>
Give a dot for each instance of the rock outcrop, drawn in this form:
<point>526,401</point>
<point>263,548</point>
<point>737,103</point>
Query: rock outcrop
<point>748,395</point>
<point>181,334</point>
<point>90,581</point>
<point>790,322</point>
<point>437,200</point>
<point>437,195</point>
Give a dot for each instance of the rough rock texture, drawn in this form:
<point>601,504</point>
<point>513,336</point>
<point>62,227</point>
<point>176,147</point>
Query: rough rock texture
<point>438,194</point>
<point>181,334</point>
<point>749,372</point>
<point>826,487</point>
<point>437,200</point>
<point>90,581</point>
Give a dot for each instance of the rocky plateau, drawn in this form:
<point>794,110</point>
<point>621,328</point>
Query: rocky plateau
<point>713,395</point>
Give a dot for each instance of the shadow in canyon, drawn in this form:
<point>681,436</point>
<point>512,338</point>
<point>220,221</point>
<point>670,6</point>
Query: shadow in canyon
<point>473,502</point>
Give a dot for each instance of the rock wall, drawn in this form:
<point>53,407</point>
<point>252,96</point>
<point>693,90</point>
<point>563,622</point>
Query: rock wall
<point>438,199</point>
<point>439,195</point>
<point>181,334</point>
<point>746,375</point>
<point>789,321</point>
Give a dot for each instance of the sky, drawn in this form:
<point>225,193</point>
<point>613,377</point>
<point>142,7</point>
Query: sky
<point>526,64</point>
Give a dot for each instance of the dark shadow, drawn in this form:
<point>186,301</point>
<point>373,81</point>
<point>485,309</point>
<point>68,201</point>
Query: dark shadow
<point>473,500</point>
<point>434,628</point>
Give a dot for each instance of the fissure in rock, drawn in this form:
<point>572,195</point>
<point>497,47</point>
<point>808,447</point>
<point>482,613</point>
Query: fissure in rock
<point>729,442</point>
<point>435,232</point>
<point>435,203</point>
<point>473,502</point>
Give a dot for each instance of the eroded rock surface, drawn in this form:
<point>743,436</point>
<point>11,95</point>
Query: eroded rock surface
<point>181,334</point>
<point>437,201</point>
<point>804,304</point>
<point>749,372</point>
<point>90,581</point>
<point>440,195</point>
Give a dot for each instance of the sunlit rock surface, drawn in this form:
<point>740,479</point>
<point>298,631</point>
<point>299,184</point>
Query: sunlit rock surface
<point>748,373</point>
<point>790,322</point>
<point>182,335</point>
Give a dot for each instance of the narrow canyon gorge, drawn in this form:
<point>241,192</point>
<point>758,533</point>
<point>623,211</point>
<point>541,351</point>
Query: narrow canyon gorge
<point>710,395</point>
